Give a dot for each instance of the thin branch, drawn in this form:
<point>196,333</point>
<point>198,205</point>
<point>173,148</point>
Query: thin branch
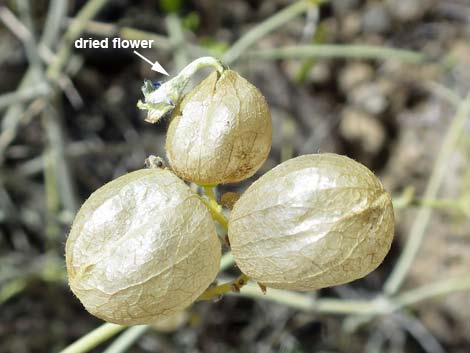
<point>88,11</point>
<point>348,51</point>
<point>219,290</point>
<point>127,339</point>
<point>409,199</point>
<point>12,117</point>
<point>176,34</point>
<point>94,338</point>
<point>422,335</point>
<point>24,95</point>
<point>255,34</point>
<point>226,261</point>
<point>30,41</point>
<point>56,148</point>
<point>421,222</point>
<point>214,208</point>
<point>436,289</point>
<point>305,302</point>
<point>47,56</point>
<point>55,16</point>
<point>378,306</point>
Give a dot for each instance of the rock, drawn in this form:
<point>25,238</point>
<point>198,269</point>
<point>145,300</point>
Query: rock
<point>369,97</point>
<point>350,26</point>
<point>342,7</point>
<point>359,127</point>
<point>353,74</point>
<point>320,72</point>
<point>408,10</point>
<point>396,93</point>
<point>376,19</point>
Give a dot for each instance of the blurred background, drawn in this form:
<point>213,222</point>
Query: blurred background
<point>384,82</point>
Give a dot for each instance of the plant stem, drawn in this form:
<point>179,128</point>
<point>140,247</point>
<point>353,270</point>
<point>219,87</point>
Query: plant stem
<point>206,61</point>
<point>226,261</point>
<point>12,288</point>
<point>419,227</point>
<point>209,191</point>
<point>409,199</point>
<point>378,306</point>
<point>55,15</point>
<point>443,204</point>
<point>13,116</point>
<point>337,51</point>
<point>218,216</point>
<point>214,208</point>
<point>29,40</point>
<point>306,302</point>
<point>259,31</point>
<point>94,338</point>
<point>217,291</point>
<point>23,95</point>
<point>88,11</point>
<point>127,339</point>
<point>176,36</point>
<point>427,291</point>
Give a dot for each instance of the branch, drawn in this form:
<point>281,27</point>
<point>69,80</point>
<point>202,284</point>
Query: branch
<point>94,338</point>
<point>265,27</point>
<point>127,339</point>
<point>338,51</point>
<point>419,227</point>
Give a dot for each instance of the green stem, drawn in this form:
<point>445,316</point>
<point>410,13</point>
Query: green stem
<point>209,191</point>
<point>94,338</point>
<point>189,70</point>
<point>216,214</point>
<point>214,208</point>
<point>337,51</point>
<point>231,286</point>
<point>13,116</point>
<point>127,339</point>
<point>226,261</point>
<point>176,36</point>
<point>443,204</point>
<point>24,95</point>
<point>408,199</point>
<point>424,292</point>
<point>305,302</point>
<point>421,222</point>
<point>378,306</point>
<point>88,11</point>
<point>265,27</point>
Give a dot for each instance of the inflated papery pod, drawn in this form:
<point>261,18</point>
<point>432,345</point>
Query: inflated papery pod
<point>312,222</point>
<point>221,132</point>
<point>142,248</point>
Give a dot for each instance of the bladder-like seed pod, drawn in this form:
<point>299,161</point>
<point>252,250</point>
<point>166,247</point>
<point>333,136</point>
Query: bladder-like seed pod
<point>312,222</point>
<point>142,248</point>
<point>221,132</point>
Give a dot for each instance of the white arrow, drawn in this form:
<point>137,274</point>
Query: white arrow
<point>155,66</point>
